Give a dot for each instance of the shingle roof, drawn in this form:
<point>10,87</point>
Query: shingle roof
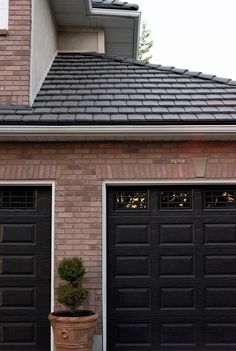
<point>96,88</point>
<point>114,4</point>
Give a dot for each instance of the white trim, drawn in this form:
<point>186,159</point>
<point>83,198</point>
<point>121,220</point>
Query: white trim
<point>53,197</point>
<point>118,132</point>
<point>104,265</point>
<point>105,185</point>
<point>52,185</point>
<point>4,14</point>
<point>114,12</point>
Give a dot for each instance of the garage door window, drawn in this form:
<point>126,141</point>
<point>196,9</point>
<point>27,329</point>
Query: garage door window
<point>220,199</point>
<point>132,200</point>
<point>175,199</point>
<point>22,199</point>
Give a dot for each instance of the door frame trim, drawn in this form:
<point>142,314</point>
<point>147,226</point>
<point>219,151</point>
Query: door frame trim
<point>50,184</point>
<point>105,187</point>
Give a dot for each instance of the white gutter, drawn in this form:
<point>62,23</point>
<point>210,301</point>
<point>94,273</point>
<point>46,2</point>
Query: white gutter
<point>113,132</point>
<point>111,12</point>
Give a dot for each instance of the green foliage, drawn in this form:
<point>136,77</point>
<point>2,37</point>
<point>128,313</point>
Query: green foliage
<point>71,294</point>
<point>71,269</point>
<point>145,44</point>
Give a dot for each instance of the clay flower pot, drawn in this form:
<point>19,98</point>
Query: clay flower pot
<point>74,328</point>
<point>74,333</point>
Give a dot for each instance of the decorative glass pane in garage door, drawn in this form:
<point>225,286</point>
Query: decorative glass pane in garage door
<point>175,199</point>
<point>131,200</point>
<point>17,198</point>
<point>220,199</point>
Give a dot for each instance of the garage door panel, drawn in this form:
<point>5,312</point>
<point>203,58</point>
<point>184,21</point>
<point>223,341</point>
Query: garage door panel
<point>220,233</point>
<point>132,234</point>
<point>220,298</point>
<point>220,265</point>
<point>176,234</point>
<point>132,266</point>
<point>18,333</point>
<point>177,265</point>
<point>177,334</point>
<point>17,265</point>
<point>25,266</point>
<point>132,299</point>
<point>17,234</point>
<point>172,271</point>
<point>132,335</point>
<point>14,297</point>
<point>177,298</point>
<point>220,334</point>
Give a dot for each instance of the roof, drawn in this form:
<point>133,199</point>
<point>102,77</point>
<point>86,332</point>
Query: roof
<point>114,4</point>
<point>99,89</point>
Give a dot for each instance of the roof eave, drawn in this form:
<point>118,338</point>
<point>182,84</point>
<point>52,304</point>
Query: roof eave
<point>118,133</point>
<point>134,15</point>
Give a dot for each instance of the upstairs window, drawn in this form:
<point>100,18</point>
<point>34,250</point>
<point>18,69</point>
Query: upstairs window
<point>4,9</point>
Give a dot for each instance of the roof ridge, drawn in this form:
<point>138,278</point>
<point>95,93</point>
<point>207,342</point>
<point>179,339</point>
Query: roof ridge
<point>159,67</point>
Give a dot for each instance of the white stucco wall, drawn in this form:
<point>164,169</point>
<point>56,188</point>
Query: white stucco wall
<point>43,44</point>
<point>79,39</point>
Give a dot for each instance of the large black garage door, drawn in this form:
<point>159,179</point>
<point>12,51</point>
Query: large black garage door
<point>171,268</point>
<point>25,216</point>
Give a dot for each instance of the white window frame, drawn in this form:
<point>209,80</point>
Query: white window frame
<point>4,14</point>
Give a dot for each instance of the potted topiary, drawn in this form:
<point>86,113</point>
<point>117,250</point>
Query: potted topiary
<point>74,328</point>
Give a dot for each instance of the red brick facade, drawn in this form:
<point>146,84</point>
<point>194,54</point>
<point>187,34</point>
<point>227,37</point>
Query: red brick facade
<point>15,55</point>
<point>79,169</point>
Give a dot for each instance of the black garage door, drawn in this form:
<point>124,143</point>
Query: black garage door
<point>171,268</point>
<point>25,216</point>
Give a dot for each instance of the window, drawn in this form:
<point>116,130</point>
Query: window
<point>220,199</point>
<point>132,200</point>
<point>175,199</point>
<point>4,7</point>
<point>17,198</point>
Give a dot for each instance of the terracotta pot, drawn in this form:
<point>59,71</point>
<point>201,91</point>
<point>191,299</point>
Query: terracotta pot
<point>73,333</point>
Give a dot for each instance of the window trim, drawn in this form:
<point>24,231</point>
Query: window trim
<point>4,18</point>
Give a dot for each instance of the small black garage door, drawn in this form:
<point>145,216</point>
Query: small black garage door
<point>171,262</point>
<point>25,268</point>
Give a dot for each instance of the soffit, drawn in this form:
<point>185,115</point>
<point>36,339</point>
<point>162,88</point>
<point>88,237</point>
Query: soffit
<point>120,31</point>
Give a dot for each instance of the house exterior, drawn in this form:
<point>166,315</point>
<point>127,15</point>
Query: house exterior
<point>129,165</point>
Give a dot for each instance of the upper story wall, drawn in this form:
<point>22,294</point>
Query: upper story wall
<point>15,54</point>
<point>37,29</point>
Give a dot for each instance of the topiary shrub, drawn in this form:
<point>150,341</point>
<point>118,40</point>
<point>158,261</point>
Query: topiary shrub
<point>72,293</point>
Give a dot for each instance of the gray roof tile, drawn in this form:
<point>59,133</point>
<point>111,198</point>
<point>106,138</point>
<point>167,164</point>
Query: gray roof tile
<point>84,118</point>
<point>97,88</point>
<point>119,117</point>
<point>66,117</point>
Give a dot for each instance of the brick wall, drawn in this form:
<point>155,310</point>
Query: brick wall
<point>15,55</point>
<point>79,168</point>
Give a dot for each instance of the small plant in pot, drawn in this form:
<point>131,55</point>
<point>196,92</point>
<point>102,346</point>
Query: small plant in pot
<point>73,328</point>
